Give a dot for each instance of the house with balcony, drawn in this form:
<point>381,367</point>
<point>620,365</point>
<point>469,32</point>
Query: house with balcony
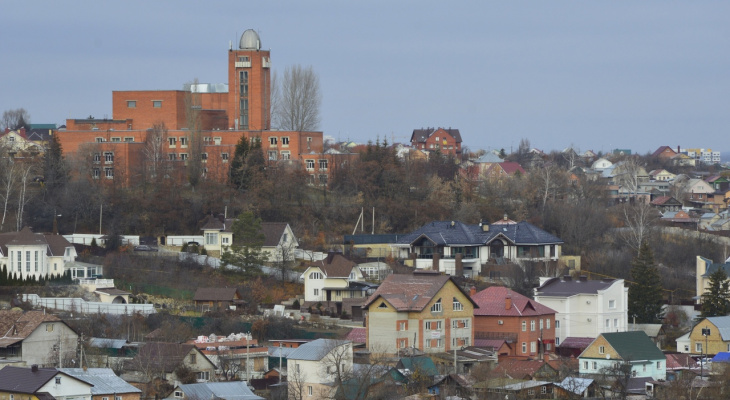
<point>314,367</point>
<point>425,310</point>
<point>459,249</point>
<point>334,281</point>
<point>506,314</point>
<point>29,255</point>
<point>585,308</point>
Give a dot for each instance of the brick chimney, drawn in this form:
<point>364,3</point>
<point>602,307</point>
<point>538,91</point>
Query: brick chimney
<point>436,260</point>
<point>472,291</point>
<point>508,302</point>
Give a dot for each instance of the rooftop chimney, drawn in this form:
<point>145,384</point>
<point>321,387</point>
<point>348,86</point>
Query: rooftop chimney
<point>472,291</point>
<point>34,368</point>
<point>567,278</point>
<point>508,302</point>
<point>583,278</point>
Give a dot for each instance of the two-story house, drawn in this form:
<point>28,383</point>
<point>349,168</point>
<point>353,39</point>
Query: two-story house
<point>710,336</point>
<point>585,308</point>
<point>623,352</point>
<point>424,310</point>
<point>333,279</point>
<point>33,255</point>
<point>704,267</point>
<point>36,338</point>
<point>446,141</point>
<point>159,360</point>
<point>35,383</point>
<point>314,368</point>
<point>456,248</point>
<point>106,384</point>
<point>506,314</point>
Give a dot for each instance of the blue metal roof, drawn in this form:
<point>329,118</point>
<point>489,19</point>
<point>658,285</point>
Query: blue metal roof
<point>454,233</point>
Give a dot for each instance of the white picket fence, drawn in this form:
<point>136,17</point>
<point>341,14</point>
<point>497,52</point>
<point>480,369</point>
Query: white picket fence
<point>82,306</point>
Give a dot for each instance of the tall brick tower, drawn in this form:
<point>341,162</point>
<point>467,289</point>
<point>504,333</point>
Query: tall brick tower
<point>249,85</point>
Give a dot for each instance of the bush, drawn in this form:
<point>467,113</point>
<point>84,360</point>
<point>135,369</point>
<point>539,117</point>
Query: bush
<point>295,305</point>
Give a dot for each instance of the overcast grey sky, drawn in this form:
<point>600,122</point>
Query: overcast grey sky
<point>598,75</point>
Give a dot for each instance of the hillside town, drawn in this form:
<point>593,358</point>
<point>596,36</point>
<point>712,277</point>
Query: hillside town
<point>197,244</point>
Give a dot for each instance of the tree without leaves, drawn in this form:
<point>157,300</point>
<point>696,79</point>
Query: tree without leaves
<point>297,106</point>
<point>645,294</point>
<point>16,119</point>
<point>715,299</point>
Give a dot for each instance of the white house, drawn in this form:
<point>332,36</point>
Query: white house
<point>455,248</point>
<point>601,164</point>
<point>279,239</point>
<point>630,352</point>
<point>585,308</point>
<point>36,338</point>
<point>314,367</point>
<point>333,279</point>
<point>42,383</point>
<point>27,254</point>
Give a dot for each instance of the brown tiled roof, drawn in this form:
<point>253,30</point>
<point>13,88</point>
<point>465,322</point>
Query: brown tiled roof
<point>411,292</point>
<point>273,232</point>
<point>518,369</point>
<point>680,360</point>
<point>56,244</point>
<point>27,237</point>
<point>216,294</point>
<point>335,265</point>
<point>16,326</point>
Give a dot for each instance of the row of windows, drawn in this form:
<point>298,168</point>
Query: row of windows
<point>108,157</point>
<point>115,139</point>
<point>133,103</point>
<point>108,173</point>
<point>273,140</point>
<point>532,325</point>
<point>533,347</point>
<point>18,261</point>
<point>274,155</point>
<point>455,305</point>
<point>323,164</point>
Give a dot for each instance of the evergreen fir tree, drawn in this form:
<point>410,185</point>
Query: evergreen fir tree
<point>4,276</point>
<point>645,294</point>
<point>715,301</point>
<point>245,252</point>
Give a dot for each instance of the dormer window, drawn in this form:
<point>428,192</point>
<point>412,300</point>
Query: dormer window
<point>382,305</point>
<point>436,307</point>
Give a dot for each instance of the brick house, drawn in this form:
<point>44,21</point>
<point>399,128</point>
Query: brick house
<point>504,313</point>
<point>424,310</point>
<point>447,141</point>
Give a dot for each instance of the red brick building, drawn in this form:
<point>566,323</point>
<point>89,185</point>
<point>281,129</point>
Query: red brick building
<point>506,314</point>
<point>447,141</point>
<point>119,148</point>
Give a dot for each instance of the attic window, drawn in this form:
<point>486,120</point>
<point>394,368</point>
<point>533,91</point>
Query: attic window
<point>436,307</point>
<point>58,380</point>
<point>178,394</point>
<point>382,305</point>
<point>457,305</point>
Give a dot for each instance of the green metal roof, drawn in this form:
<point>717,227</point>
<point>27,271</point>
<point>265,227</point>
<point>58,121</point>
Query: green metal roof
<point>633,346</point>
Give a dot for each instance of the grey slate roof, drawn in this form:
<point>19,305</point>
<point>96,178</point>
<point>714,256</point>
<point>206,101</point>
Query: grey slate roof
<point>489,157</point>
<point>443,233</point>
<point>712,267</point>
<point>564,286</point>
<point>285,351</point>
<point>105,381</point>
<point>723,325</point>
<point>315,350</point>
<point>25,380</point>
<point>219,390</point>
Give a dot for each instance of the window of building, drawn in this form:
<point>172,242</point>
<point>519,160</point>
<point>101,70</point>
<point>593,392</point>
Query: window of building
<point>273,155</point>
<point>310,164</point>
<point>548,346</point>
<point>99,140</point>
<point>524,326</point>
<point>203,376</point>
<point>658,365</point>
<point>316,292</point>
<point>109,157</point>
<point>211,238</point>
<point>557,341</point>
<point>557,324</point>
<point>183,141</point>
<point>436,307</point>
<point>615,322</point>
<point>698,347</point>
<point>183,156</point>
<point>612,304</point>
<point>95,173</point>
<point>97,158</point>
<point>323,165</point>
<point>595,365</point>
<point>27,261</point>
<point>541,324</point>
<point>129,139</point>
<point>547,323</point>
<point>172,156</point>
<point>459,323</point>
<point>532,325</point>
<point>225,240</point>
<point>217,141</point>
<point>315,275</point>
<point>402,325</point>
<point>193,358</point>
<point>178,394</point>
<point>273,140</point>
<point>36,261</point>
<point>402,343</point>
<point>608,323</point>
<point>172,140</point>
<point>323,179</point>
<point>524,347</point>
<point>433,325</point>
<point>457,305</point>
<point>543,389</point>
<point>285,155</point>
<point>224,157</point>
<point>157,103</point>
<point>382,305</point>
<point>58,380</point>
<point>533,347</point>
<point>131,103</point>
<point>285,141</point>
<point>601,349</point>
<point>20,263</point>
<point>309,390</point>
<point>109,173</point>
<point>116,139</point>
<point>49,327</point>
<point>204,156</point>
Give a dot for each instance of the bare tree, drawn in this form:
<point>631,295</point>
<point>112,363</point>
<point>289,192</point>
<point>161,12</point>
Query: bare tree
<point>154,150</point>
<point>194,163</point>
<point>24,175</point>
<point>15,119</point>
<point>296,107</point>
<point>639,220</point>
<point>8,181</point>
<point>629,175</point>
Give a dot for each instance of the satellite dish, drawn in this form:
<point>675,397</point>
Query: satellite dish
<point>608,356</point>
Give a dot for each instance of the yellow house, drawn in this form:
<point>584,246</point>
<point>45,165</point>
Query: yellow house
<point>718,339</point>
<point>704,267</point>
<point>424,310</point>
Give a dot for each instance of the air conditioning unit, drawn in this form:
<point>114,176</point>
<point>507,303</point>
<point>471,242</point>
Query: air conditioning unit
<point>500,322</point>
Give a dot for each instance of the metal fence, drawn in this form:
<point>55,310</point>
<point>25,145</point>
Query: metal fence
<point>82,306</point>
